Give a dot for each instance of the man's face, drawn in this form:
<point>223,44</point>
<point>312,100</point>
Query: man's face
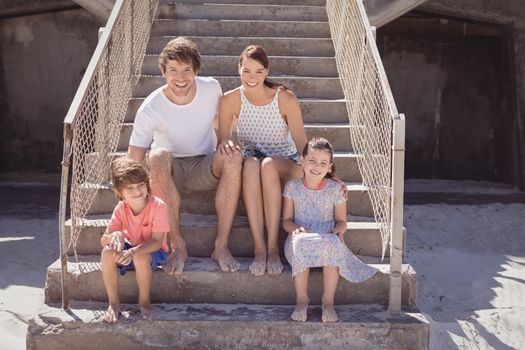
<point>180,77</point>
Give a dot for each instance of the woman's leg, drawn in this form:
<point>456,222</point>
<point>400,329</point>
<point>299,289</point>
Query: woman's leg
<point>143,274</point>
<point>253,201</point>
<point>330,280</point>
<point>275,172</point>
<point>110,277</point>
<point>300,282</point>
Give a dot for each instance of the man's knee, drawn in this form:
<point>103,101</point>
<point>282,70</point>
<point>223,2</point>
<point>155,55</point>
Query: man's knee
<point>159,161</point>
<point>232,163</point>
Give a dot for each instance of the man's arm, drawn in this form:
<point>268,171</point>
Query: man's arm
<point>137,153</point>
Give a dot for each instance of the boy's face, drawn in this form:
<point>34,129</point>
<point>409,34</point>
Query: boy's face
<point>135,194</point>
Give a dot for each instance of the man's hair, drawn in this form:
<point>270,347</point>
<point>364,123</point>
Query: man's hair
<point>126,171</point>
<point>182,50</point>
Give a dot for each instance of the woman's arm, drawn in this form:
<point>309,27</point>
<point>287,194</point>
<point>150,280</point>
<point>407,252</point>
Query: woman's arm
<point>230,106</point>
<point>288,216</point>
<point>291,111</point>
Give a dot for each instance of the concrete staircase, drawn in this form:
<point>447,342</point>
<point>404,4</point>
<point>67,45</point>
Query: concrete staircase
<point>207,308</point>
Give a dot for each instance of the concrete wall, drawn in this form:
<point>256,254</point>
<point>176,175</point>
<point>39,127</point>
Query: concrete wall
<point>450,78</point>
<point>43,57</point>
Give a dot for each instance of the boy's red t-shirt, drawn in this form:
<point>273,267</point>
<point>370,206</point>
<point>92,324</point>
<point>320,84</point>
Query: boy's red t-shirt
<point>138,229</point>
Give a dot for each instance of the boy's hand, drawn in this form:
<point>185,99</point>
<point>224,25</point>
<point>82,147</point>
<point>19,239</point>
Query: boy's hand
<point>298,230</point>
<point>125,257</point>
<point>117,242</point>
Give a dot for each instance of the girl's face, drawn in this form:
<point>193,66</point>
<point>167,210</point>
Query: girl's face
<point>252,73</point>
<point>316,164</point>
<point>135,195</point>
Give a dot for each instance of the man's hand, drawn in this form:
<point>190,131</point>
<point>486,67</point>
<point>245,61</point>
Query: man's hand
<point>228,148</point>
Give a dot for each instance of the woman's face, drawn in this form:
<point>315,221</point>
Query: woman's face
<point>252,73</point>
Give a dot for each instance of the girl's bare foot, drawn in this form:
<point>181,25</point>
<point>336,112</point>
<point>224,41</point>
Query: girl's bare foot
<point>300,312</point>
<point>145,310</point>
<point>329,314</point>
<point>274,265</point>
<point>113,313</point>
<point>258,266</point>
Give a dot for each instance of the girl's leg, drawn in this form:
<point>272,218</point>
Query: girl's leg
<point>330,280</point>
<point>144,273</point>
<point>110,277</point>
<point>300,282</point>
<point>275,172</point>
<point>252,197</point>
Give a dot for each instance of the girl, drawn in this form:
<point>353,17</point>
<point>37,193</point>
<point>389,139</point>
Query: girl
<point>135,237</point>
<point>314,215</point>
<point>270,130</point>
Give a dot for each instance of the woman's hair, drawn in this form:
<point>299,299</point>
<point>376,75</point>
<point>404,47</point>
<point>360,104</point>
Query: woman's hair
<point>126,171</point>
<point>182,50</point>
<point>256,52</point>
<point>321,144</point>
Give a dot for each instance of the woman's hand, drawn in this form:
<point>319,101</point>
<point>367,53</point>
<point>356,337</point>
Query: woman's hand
<point>228,148</point>
<point>344,189</point>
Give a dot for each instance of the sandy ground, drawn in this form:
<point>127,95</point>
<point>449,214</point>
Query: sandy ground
<point>470,261</point>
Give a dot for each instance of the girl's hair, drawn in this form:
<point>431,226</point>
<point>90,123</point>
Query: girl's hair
<point>126,171</point>
<point>321,144</point>
<point>257,52</point>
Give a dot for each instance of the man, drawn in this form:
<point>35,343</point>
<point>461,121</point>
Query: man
<point>177,122</point>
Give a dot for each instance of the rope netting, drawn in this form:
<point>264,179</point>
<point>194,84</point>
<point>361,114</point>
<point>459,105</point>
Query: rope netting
<point>369,102</point>
<point>103,98</point>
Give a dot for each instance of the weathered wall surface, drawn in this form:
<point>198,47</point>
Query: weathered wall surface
<point>42,59</point>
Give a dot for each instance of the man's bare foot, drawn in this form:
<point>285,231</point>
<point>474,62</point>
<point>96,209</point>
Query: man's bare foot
<point>113,313</point>
<point>145,310</point>
<point>273,264</point>
<point>226,261</point>
<point>300,312</point>
<point>176,261</point>
<point>329,314</point>
<point>258,266</point>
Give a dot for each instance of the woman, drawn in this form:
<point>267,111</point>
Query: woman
<point>270,130</point>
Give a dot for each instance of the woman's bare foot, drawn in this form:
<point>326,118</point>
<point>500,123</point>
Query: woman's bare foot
<point>300,312</point>
<point>273,264</point>
<point>113,313</point>
<point>145,310</point>
<point>329,314</point>
<point>176,261</point>
<point>258,266</point>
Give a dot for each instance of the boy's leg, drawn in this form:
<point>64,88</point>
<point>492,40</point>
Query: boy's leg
<point>253,201</point>
<point>301,296</point>
<point>330,280</point>
<point>110,277</point>
<point>144,273</point>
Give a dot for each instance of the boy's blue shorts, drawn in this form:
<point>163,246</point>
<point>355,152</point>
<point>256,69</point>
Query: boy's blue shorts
<point>158,259</point>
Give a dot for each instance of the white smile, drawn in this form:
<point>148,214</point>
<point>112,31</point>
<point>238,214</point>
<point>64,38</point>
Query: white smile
<point>181,85</point>
<point>252,84</point>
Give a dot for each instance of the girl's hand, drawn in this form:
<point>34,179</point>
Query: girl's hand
<point>117,242</point>
<point>341,235</point>
<point>125,258</point>
<point>298,230</point>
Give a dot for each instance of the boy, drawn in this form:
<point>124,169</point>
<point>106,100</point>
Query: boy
<point>135,237</point>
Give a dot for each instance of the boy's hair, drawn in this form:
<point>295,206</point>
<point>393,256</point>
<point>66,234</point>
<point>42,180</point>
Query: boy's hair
<point>257,52</point>
<point>321,144</point>
<point>182,50</point>
<point>126,171</point>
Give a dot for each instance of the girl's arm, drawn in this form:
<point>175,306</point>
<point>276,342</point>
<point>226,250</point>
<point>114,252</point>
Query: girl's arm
<point>340,219</point>
<point>154,244</point>
<point>288,216</point>
<point>290,109</point>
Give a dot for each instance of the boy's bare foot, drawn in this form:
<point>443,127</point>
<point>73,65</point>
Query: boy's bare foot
<point>145,310</point>
<point>329,314</point>
<point>113,313</point>
<point>176,261</point>
<point>274,265</point>
<point>258,266</point>
<point>300,312</point>
<point>226,261</point>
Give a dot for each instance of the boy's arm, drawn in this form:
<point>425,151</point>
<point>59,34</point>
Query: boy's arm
<point>288,216</point>
<point>340,219</point>
<point>154,244</point>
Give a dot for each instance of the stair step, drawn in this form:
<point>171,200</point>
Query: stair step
<point>363,238</point>
<point>203,282</point>
<point>337,134</point>
<point>203,27</point>
<point>204,202</point>
<point>314,110</point>
<point>303,87</point>
<point>225,326</point>
<point>280,65</point>
<point>220,45</point>
<point>268,2</point>
<point>242,12</point>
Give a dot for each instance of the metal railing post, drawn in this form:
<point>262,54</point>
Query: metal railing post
<point>396,237</point>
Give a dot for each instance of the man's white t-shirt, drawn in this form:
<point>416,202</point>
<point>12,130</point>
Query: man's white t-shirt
<point>185,130</point>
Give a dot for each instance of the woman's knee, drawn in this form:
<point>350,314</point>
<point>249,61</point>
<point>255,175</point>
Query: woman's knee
<point>269,168</point>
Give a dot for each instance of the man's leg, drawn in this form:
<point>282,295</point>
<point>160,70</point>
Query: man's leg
<point>228,168</point>
<point>163,186</point>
